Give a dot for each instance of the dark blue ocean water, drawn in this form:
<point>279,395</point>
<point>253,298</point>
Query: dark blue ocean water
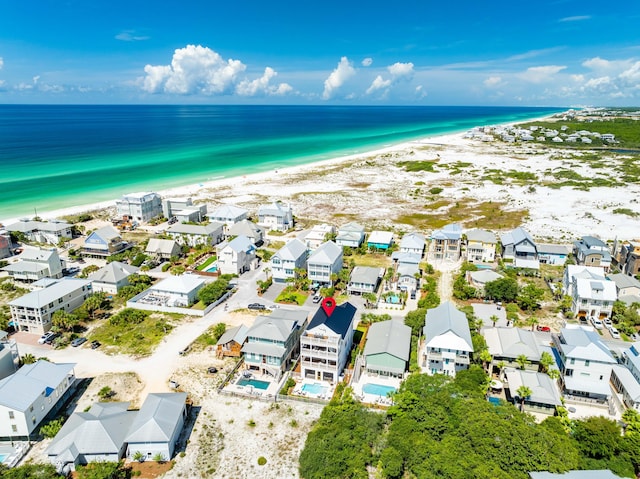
<point>55,157</point>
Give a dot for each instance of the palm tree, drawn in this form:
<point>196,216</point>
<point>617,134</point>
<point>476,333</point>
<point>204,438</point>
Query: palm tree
<point>500,366</point>
<point>546,360</point>
<point>494,319</point>
<point>485,357</point>
<point>532,321</point>
<point>267,270</point>
<point>28,358</point>
<point>553,373</point>
<point>522,361</point>
<point>523,392</point>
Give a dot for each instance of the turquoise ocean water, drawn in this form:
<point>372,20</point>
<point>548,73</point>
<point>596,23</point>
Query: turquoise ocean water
<point>54,157</point>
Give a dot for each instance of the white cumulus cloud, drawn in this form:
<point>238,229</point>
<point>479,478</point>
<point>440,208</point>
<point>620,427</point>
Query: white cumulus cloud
<point>541,74</point>
<point>378,84</point>
<point>367,62</point>
<point>130,36</point>
<point>575,18</point>
<point>195,69</point>
<point>493,82</point>
<point>401,69</point>
<point>338,77</point>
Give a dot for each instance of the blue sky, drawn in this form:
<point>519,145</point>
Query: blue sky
<point>557,53</point>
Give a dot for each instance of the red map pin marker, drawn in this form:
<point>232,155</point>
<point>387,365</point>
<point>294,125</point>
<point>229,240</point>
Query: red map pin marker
<point>328,305</point>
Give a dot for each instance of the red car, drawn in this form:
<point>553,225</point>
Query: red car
<point>546,329</point>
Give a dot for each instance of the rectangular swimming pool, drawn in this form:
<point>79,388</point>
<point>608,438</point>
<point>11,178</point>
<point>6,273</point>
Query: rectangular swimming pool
<point>377,389</point>
<point>253,382</point>
<point>494,400</point>
<point>315,388</point>
<point>2,458</point>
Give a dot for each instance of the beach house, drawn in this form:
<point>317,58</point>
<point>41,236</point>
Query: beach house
<point>447,341</point>
<point>412,243</point>
<point>324,262</point>
<point>592,251</point>
<point>50,232</point>
<point>381,240</point>
<point>275,216</point>
<point>625,377</point>
<point>317,235</point>
<point>249,229</point>
<point>33,311</point>
<point>544,397</point>
<point>479,279</point>
<point>627,287</point>
<point>228,215</point>
<point>508,345</point>
<point>163,248</point>
<point>628,255</point>
<point>364,279</point>
<point>553,254</point>
<point>325,344</point>
<point>287,259</point>
<point>406,267</point>
<point>140,207</point>
<point>183,210</point>
<point>572,271</point>
<point>592,298</point>
<point>112,278</point>
<point>34,392</point>
<point>35,264</point>
<point>481,246</point>
<point>236,256</point>
<point>388,348</point>
<point>9,355</point>
<point>446,243</point>
<point>230,343</point>
<point>193,235</point>
<point>519,247</point>
<point>584,361</point>
<point>103,243</point>
<point>350,235</point>
<point>5,243</point>
<point>273,341</point>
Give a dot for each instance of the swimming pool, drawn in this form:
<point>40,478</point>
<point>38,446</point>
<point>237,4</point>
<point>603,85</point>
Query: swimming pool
<point>315,388</point>
<point>2,458</point>
<point>253,382</point>
<point>377,389</point>
<point>213,269</point>
<point>494,400</point>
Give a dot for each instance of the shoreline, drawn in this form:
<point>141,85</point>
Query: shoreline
<point>196,189</point>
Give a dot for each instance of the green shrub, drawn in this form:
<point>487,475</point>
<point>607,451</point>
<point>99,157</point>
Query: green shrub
<point>261,461</point>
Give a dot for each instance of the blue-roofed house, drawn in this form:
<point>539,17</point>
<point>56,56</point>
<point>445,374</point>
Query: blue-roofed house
<point>236,256</point>
<point>32,393</point>
<point>276,217</point>
<point>448,344</point>
<point>584,361</point>
<point>326,343</point>
<point>591,251</point>
<point>519,246</point>
<point>626,377</point>
<point>446,243</point>
<point>554,254</point>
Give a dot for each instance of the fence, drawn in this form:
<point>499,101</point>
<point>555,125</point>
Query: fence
<point>133,303</point>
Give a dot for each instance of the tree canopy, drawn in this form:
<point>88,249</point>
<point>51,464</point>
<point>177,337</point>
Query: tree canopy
<point>212,292</point>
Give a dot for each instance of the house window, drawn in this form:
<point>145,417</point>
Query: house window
<point>586,362</point>
<point>11,415</point>
<point>33,419</point>
<point>572,361</point>
<point>14,428</point>
<point>31,408</point>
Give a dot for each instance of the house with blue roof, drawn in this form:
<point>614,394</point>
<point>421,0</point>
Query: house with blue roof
<point>446,243</point>
<point>32,393</point>
<point>591,251</point>
<point>625,377</point>
<point>519,247</point>
<point>326,343</point>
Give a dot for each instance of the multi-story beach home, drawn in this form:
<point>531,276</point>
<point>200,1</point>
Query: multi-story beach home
<point>104,242</point>
<point>629,257</point>
<point>183,210</point>
<point>5,243</point>
<point>380,240</point>
<point>447,341</point>
<point>318,235</point>
<point>325,261</point>
<point>412,243</point>
<point>626,377</point>
<point>591,251</point>
<point>406,270</point>
<point>388,348</point>
<point>33,311</point>
<point>112,278</point>
<point>554,254</point>
<point>9,355</point>
<point>287,259</point>
<point>272,341</point>
<point>584,361</point>
<point>572,271</point>
<point>43,232</point>
<point>350,235</point>
<point>35,264</point>
<point>364,279</point>
<point>276,216</point>
<point>446,243</point>
<point>32,393</point>
<point>481,246</point>
<point>193,235</point>
<point>236,256</point>
<point>592,298</point>
<point>163,248</point>
<point>627,287</point>
<point>249,229</point>
<point>228,215</point>
<point>325,344</point>
<point>519,247</point>
<point>507,345</point>
<point>140,207</point>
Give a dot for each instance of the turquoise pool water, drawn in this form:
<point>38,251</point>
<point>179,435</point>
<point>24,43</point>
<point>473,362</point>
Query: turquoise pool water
<point>253,382</point>
<point>2,458</point>
<point>213,269</point>
<point>378,389</point>
<point>495,401</point>
<point>315,388</point>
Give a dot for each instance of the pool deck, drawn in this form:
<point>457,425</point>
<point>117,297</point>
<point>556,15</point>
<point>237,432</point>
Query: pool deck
<point>298,391</point>
<point>374,398</point>
<point>14,451</point>
<point>250,390</point>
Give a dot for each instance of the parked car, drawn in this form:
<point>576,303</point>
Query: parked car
<point>597,323</point>
<point>43,339</point>
<point>614,333</point>
<point>51,338</point>
<point>257,306</point>
<point>78,342</point>
<point>317,298</point>
<point>95,344</point>
<point>545,329</point>
<point>607,322</point>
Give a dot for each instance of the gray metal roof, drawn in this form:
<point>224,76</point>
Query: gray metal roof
<point>237,334</point>
<point>512,342</point>
<point>403,257</point>
<point>481,235</point>
<point>516,236</point>
<point>158,417</point>
<point>42,297</point>
<point>351,228</point>
<point>274,209</point>
<point>245,227</point>
<point>26,226</point>
<point>582,343</point>
<point>228,212</point>
<point>184,284</point>
<point>22,388</point>
<point>273,329</point>
<point>391,337</point>
<point>587,474</point>
<point>553,249</point>
<point>113,273</point>
<point>37,254</point>
<point>448,232</point>
<point>198,230</point>
<point>624,281</point>
<point>447,327</point>
<point>291,251</point>
<point>326,253</point>
<point>412,241</point>
<point>106,233</point>
<point>264,349</point>
<point>544,390</point>
<point>162,246</point>
<point>366,274</point>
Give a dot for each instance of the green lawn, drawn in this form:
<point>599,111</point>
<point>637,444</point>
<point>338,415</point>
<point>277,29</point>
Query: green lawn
<point>135,339</point>
<point>207,263</point>
<point>291,298</point>
<point>375,260</point>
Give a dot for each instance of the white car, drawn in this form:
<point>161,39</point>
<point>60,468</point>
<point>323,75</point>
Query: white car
<point>614,333</point>
<point>607,322</point>
<point>44,337</point>
<point>597,323</point>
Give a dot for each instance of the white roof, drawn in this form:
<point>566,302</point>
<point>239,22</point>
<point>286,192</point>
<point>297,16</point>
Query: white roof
<point>575,270</point>
<point>544,390</point>
<point>42,297</point>
<point>106,233</point>
<point>182,284</point>
<point>157,418</point>
<point>484,276</point>
<point>596,290</point>
<point>447,327</point>
<point>113,273</point>
<point>274,209</point>
<point>630,383</point>
<point>584,343</point>
<point>512,342</point>
<point>240,244</point>
<point>140,196</point>
<point>37,254</point>
<point>229,212</point>
<point>380,237</point>
<point>351,228</point>
<point>21,389</point>
<point>575,383</point>
<point>326,253</point>
<point>292,250</point>
<point>412,241</point>
<point>161,246</point>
